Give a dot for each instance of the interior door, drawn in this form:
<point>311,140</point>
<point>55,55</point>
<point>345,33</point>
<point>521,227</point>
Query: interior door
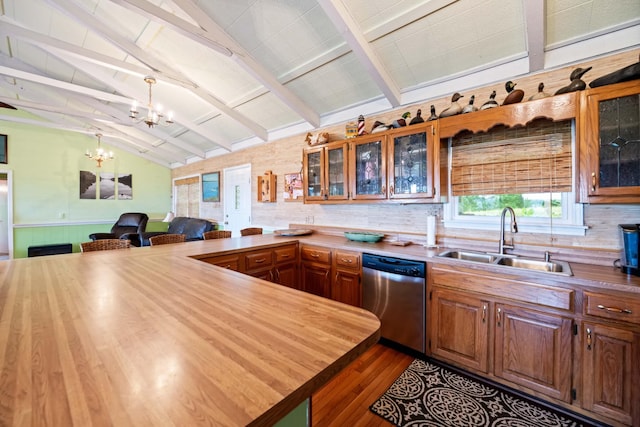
<point>237,198</point>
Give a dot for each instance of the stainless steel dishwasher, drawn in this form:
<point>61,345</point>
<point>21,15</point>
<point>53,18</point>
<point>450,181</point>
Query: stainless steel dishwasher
<point>394,290</point>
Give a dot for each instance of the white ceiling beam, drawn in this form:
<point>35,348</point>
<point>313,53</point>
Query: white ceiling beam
<point>348,28</point>
<point>51,125</point>
<point>35,108</point>
<point>213,31</point>
<point>91,101</point>
<point>9,29</point>
<point>72,9</point>
<point>534,22</point>
<point>47,81</point>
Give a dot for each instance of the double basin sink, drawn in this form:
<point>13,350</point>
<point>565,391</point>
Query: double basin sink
<point>558,267</point>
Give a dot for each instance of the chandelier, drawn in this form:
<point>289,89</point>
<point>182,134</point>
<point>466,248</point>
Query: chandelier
<point>100,155</point>
<point>153,114</point>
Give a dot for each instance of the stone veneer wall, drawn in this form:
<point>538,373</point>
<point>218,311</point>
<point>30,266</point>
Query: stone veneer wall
<point>285,156</point>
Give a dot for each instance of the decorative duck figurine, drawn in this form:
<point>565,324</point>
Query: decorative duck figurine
<point>513,95</point>
<point>454,108</point>
<point>402,121</point>
<point>540,94</point>
<point>378,126</point>
<point>630,72</point>
<point>417,119</point>
<point>433,115</point>
<point>470,108</point>
<point>576,81</point>
<point>491,103</point>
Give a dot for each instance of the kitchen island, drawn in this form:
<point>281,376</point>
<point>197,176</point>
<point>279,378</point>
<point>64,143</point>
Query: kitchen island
<point>152,336</point>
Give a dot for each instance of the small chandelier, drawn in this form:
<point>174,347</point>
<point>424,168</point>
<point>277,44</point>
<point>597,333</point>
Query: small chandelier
<point>100,155</point>
<point>153,114</point>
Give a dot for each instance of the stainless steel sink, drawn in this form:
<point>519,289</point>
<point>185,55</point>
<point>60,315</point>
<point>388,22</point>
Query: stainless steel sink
<point>561,267</point>
<point>558,267</point>
<point>470,256</point>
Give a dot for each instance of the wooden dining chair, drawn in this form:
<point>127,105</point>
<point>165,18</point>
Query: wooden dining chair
<point>250,231</point>
<point>216,234</point>
<point>105,245</point>
<point>165,239</point>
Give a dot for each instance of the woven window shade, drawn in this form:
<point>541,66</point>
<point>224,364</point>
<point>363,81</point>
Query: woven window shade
<point>532,160</point>
<point>188,196</point>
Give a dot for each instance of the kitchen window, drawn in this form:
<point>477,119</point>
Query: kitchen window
<point>550,213</point>
<point>528,169</point>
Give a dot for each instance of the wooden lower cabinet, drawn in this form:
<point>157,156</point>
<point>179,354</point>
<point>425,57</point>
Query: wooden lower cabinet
<point>315,270</point>
<point>459,328</point>
<point>534,350</point>
<point>346,286</point>
<point>580,349</point>
<point>610,355</point>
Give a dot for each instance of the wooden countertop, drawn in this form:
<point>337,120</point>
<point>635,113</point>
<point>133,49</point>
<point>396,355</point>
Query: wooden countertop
<point>150,336</point>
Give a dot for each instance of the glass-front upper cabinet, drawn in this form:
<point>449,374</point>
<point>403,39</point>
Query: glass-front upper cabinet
<point>610,145</point>
<point>368,164</point>
<point>411,162</point>
<point>325,172</point>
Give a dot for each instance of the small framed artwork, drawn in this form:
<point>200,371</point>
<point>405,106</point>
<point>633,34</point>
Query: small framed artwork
<point>292,187</point>
<point>3,149</point>
<point>211,187</point>
<point>88,185</point>
<point>125,186</point>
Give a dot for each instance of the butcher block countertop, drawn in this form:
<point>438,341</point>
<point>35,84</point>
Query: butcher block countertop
<point>153,337</point>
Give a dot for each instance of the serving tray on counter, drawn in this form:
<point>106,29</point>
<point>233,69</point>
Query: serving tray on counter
<point>293,232</point>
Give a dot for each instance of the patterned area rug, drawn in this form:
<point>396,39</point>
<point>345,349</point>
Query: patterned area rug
<point>428,395</point>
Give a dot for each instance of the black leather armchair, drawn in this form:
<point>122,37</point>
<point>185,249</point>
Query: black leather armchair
<point>129,226</point>
<point>192,228</point>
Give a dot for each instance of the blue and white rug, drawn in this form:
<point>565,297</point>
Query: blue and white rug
<point>428,395</point>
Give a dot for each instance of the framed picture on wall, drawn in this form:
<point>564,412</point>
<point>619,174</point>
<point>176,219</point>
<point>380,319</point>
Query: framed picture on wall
<point>88,185</point>
<point>3,149</point>
<point>211,187</point>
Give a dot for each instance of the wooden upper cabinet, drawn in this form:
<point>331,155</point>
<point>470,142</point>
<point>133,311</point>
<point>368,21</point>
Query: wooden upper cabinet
<point>609,144</point>
<point>325,172</point>
<point>411,162</point>
<point>368,163</point>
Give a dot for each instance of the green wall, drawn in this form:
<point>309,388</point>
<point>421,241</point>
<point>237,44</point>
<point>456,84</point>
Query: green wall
<point>46,165</point>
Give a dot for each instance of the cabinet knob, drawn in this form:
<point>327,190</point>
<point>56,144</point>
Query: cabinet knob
<point>390,190</point>
<point>499,315</point>
<point>593,181</point>
<point>484,313</point>
<point>589,339</point>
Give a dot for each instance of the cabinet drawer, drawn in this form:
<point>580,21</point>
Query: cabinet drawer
<point>612,307</point>
<point>256,260</point>
<point>231,262</point>
<point>316,254</point>
<point>350,260</point>
<point>285,254</point>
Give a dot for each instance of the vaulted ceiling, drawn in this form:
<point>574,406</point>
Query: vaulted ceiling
<point>236,73</point>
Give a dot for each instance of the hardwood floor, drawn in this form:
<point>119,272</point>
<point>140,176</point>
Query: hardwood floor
<point>345,400</point>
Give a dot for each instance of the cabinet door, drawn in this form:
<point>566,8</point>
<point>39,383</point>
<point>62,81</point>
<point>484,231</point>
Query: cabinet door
<point>367,162</point>
<point>411,161</point>
<point>336,160</point>
<point>287,275</point>
<point>534,350</point>
<point>316,278</point>
<point>459,325</point>
<point>608,369</point>
<point>346,288</point>
<point>610,145</point>
<point>313,166</point>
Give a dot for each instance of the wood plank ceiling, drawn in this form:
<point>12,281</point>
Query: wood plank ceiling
<point>237,73</point>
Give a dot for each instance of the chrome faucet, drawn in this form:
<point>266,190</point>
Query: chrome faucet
<point>514,228</point>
